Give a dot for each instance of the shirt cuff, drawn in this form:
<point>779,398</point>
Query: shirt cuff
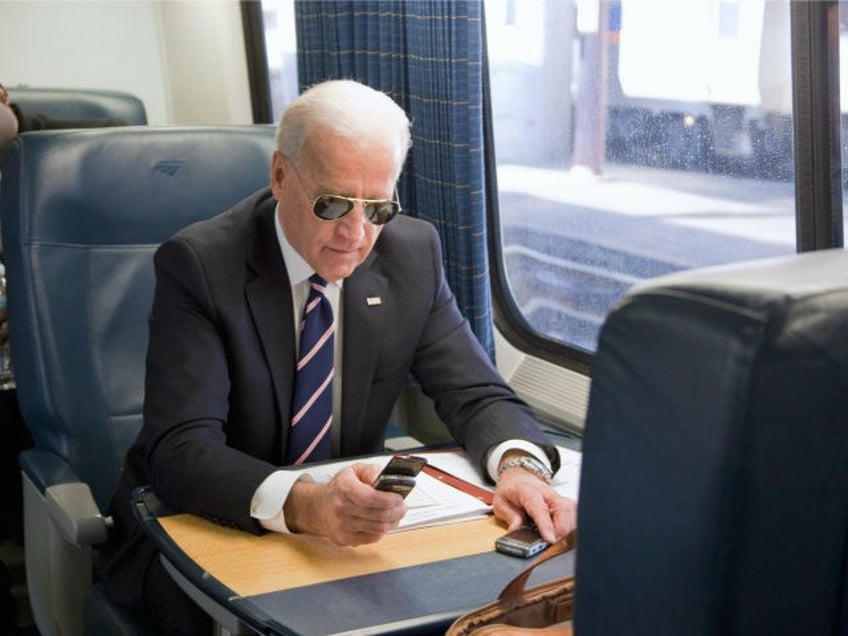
<point>269,499</point>
<point>498,451</point>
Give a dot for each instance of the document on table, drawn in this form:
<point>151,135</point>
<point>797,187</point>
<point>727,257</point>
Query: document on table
<point>434,502</point>
<point>566,481</point>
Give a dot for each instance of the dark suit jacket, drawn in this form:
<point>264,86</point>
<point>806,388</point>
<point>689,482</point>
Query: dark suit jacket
<point>221,363</point>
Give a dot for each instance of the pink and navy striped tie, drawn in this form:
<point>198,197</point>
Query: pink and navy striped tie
<point>312,403</point>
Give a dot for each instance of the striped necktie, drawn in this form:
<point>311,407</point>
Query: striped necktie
<point>312,403</point>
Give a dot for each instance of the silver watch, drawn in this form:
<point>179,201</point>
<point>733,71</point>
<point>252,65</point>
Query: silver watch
<point>527,463</point>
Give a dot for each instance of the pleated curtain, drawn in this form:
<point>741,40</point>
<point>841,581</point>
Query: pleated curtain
<point>427,55</point>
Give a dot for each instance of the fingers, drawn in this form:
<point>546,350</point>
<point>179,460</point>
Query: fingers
<point>354,513</point>
<point>366,473</point>
<point>555,518</point>
<point>521,497</point>
<point>512,515</point>
<point>564,516</point>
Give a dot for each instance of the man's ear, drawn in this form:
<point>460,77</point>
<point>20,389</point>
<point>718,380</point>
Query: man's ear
<point>278,173</point>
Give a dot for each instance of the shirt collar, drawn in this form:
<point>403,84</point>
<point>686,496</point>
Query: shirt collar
<point>298,269</point>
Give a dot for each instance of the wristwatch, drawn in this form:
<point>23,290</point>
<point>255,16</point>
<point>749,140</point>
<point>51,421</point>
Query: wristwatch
<point>527,463</point>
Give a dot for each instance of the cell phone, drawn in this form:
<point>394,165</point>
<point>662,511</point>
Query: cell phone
<point>522,542</point>
<point>399,474</point>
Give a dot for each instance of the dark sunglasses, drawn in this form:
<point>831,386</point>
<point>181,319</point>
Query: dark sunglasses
<point>332,207</point>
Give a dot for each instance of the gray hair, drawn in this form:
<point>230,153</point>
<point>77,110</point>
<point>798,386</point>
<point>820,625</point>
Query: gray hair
<point>348,109</point>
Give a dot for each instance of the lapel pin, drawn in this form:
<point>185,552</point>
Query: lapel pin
<point>373,300</point>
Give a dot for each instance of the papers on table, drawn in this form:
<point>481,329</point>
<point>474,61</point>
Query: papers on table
<point>566,482</point>
<point>434,502</point>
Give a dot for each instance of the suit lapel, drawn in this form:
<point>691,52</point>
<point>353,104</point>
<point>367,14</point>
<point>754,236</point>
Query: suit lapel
<point>269,298</point>
<point>365,291</point>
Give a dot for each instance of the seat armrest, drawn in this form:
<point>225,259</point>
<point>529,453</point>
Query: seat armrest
<point>70,502</point>
<point>72,508</point>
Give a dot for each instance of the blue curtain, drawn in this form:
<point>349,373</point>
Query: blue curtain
<point>427,55</point>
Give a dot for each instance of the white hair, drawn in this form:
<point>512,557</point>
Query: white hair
<point>349,109</point>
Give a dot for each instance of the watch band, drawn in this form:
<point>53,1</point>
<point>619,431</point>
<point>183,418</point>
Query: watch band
<point>527,463</point>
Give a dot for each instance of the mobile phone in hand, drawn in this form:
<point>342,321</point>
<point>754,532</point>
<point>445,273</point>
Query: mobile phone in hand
<point>522,542</point>
<point>399,474</point>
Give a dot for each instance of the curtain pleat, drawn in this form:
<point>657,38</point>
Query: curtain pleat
<point>427,55</point>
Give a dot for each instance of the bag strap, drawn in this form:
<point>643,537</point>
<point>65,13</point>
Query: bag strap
<point>516,586</point>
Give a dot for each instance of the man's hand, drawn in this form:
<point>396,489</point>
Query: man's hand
<point>347,510</point>
<point>8,119</point>
<point>521,496</point>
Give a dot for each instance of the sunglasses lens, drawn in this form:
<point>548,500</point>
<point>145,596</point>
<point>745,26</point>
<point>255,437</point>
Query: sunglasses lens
<point>380,213</point>
<point>330,208</point>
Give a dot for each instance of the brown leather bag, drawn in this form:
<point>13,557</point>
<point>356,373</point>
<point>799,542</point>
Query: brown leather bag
<point>544,610</point>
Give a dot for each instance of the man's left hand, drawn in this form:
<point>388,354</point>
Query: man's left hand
<point>521,496</point>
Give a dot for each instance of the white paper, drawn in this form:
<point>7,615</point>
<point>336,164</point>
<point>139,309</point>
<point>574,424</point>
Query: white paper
<point>566,481</point>
<point>433,502</point>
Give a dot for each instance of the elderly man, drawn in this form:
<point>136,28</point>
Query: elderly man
<point>222,411</point>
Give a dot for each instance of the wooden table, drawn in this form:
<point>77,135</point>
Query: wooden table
<point>414,582</point>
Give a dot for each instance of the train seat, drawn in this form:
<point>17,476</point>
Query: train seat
<point>83,212</point>
<point>714,485</point>
<point>79,104</point>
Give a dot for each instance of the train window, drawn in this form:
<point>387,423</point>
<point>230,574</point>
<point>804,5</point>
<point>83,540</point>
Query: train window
<point>843,90</point>
<point>633,139</point>
<point>281,48</point>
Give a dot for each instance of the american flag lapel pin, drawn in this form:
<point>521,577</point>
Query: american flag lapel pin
<point>372,301</point>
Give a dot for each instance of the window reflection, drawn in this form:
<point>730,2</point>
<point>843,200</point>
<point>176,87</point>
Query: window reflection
<point>843,98</point>
<point>634,139</point>
<point>281,48</point>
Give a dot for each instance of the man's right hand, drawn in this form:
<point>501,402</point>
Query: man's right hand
<point>347,510</point>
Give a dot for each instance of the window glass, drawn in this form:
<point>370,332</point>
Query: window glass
<point>634,139</point>
<point>281,47</point>
<point>843,100</point>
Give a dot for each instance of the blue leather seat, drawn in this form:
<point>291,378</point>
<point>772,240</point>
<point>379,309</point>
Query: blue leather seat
<point>82,213</point>
<point>75,103</point>
<point>714,486</point>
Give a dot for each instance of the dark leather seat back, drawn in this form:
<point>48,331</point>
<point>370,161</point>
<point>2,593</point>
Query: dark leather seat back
<point>83,212</point>
<point>77,104</point>
<point>714,487</point>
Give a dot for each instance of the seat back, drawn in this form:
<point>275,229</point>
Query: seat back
<point>714,484</point>
<point>83,211</point>
<point>77,103</point>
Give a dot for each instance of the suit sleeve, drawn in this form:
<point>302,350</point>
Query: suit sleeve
<point>191,466</point>
<point>470,396</point>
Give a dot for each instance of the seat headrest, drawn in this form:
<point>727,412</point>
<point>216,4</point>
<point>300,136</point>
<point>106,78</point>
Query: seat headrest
<point>129,185</point>
<point>71,103</point>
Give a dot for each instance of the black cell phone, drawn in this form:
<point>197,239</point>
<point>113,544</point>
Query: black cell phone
<point>399,474</point>
<point>522,542</point>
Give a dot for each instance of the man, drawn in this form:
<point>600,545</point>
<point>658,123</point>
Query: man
<point>222,356</point>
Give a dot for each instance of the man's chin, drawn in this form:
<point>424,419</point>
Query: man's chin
<point>339,271</point>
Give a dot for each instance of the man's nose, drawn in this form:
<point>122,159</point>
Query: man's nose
<point>354,223</point>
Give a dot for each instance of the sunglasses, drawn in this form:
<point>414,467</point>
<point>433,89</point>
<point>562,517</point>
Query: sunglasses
<point>332,207</point>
